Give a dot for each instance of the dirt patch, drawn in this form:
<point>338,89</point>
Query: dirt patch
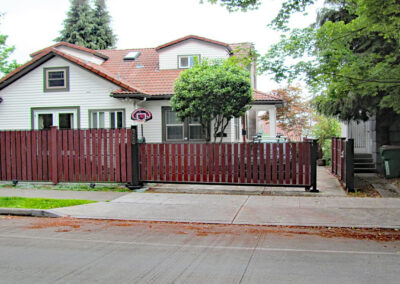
<point>203,230</point>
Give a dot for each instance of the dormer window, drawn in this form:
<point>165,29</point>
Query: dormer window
<point>56,79</point>
<point>187,61</point>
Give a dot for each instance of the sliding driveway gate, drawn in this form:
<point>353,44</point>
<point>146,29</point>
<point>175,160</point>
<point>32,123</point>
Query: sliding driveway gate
<point>272,164</point>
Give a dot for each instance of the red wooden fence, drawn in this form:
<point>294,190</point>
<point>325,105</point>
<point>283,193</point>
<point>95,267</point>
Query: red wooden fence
<point>238,163</point>
<point>342,161</point>
<point>97,155</point>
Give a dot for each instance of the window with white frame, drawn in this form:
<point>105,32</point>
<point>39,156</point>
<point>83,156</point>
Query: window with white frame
<point>187,61</point>
<point>107,119</point>
<point>56,79</point>
<point>175,130</point>
<point>63,118</point>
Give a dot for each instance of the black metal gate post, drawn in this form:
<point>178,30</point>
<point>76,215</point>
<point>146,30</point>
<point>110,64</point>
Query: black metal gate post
<point>349,156</point>
<point>135,183</point>
<point>313,160</point>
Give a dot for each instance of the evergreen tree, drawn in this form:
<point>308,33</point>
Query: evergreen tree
<point>6,66</point>
<point>104,35</point>
<point>87,27</point>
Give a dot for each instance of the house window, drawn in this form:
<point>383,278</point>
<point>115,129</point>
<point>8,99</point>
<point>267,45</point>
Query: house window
<point>175,130</point>
<point>56,79</point>
<point>187,61</point>
<point>63,118</point>
<point>107,119</point>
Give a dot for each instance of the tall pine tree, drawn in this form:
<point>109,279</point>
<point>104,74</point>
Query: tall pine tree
<point>104,35</point>
<point>88,27</point>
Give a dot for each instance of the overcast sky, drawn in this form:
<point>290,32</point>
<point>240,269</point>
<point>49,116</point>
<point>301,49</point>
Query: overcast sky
<point>34,24</point>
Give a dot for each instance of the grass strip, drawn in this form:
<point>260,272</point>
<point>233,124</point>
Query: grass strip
<point>39,203</point>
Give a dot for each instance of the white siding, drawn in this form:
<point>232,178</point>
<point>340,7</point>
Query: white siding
<point>87,90</point>
<point>169,56</point>
<point>81,54</point>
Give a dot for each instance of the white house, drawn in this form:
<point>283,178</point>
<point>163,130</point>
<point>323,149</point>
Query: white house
<point>72,87</point>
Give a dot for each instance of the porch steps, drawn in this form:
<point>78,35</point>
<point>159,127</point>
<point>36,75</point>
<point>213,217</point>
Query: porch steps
<point>364,163</point>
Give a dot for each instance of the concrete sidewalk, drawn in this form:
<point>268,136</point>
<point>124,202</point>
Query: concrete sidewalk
<point>240,209</point>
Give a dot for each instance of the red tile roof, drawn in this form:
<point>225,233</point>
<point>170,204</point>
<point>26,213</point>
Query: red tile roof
<point>67,44</point>
<point>261,96</point>
<point>193,37</point>
<point>140,76</point>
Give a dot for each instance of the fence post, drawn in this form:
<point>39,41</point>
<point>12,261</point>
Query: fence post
<point>135,183</point>
<point>349,156</point>
<point>313,160</point>
<point>53,154</point>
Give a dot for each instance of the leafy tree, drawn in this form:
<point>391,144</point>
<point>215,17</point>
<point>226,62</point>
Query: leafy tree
<point>294,117</point>
<point>87,27</point>
<point>213,91</point>
<point>324,129</point>
<point>6,66</point>
<point>282,18</point>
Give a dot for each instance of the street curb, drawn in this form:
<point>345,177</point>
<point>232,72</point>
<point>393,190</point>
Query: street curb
<point>28,212</point>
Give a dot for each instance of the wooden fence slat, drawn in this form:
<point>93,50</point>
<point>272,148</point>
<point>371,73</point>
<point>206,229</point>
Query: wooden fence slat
<point>198,162</point>
<point>236,161</point>
<point>142,162</point>
<point>281,163</point>
<point>185,162</point>
<point>29,155</point>
<point>294,163</point>
<point>8,155</point>
<point>77,170</point>
<point>88,155</point>
<point>98,155</point>
<point>155,162</point>
<point>229,161</point>
<point>242,163</point>
<point>287,163</point>
<point>33,155</point>
<point>210,156</point>
<point>216,163</point>
<point>82,170</point>
<point>18,154</point>
<point>123,158</point>
<point>46,156</point>
<point>192,162</point>
<point>167,162</point>
<point>149,162</point>
<point>117,155</point>
<point>40,155</point>
<point>255,164</point>
<point>23,154</point>
<point>300,163</point>
<point>173,162</point>
<point>274,164</point>
<point>111,147</point>
<point>268,163</point>
<point>248,163</point>
<point>3,155</point>
<point>222,163</point>
<point>161,159</point>
<point>262,165</point>
<point>179,158</point>
<point>69,154</point>
<point>204,162</point>
<point>128,155</point>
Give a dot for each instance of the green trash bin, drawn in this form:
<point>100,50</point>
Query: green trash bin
<point>391,160</point>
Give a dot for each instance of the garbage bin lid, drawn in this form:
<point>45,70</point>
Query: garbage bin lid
<point>390,147</point>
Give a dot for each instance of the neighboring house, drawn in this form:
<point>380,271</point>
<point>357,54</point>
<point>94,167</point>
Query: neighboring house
<point>368,137</point>
<point>72,87</point>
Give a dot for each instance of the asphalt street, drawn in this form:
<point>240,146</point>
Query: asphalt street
<point>45,250</point>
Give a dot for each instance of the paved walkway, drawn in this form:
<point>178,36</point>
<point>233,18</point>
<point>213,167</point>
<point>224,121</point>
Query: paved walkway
<point>383,186</point>
<point>241,209</point>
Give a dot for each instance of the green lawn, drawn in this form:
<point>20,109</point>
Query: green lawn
<point>39,203</point>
